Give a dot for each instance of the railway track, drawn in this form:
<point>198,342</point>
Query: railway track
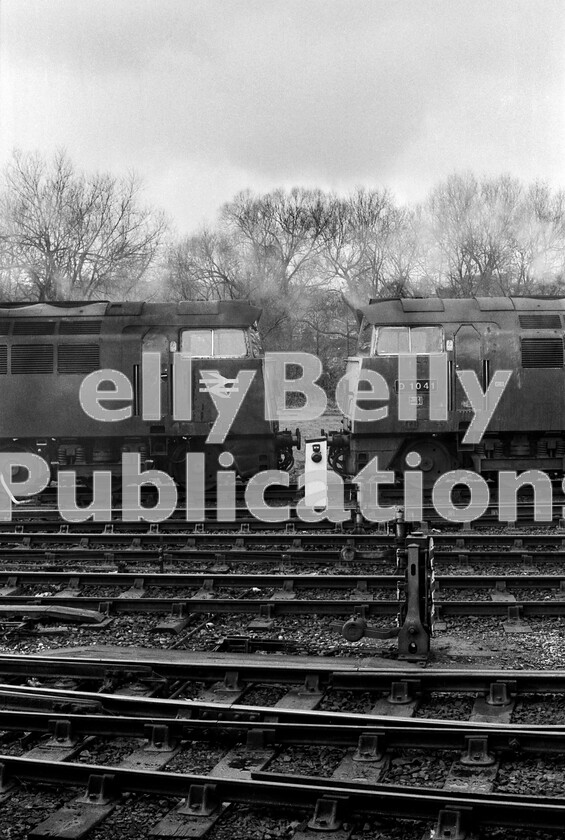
<point>250,750</point>
<point>306,714</point>
<point>234,673</point>
<point>330,805</point>
<point>111,546</point>
<point>357,614</point>
<point>95,597</point>
<point>90,586</point>
<point>45,509</point>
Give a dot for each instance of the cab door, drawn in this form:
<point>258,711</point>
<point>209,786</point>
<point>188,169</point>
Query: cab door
<point>468,356</point>
<point>156,341</point>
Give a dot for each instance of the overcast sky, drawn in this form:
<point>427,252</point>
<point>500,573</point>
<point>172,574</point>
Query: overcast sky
<point>203,99</point>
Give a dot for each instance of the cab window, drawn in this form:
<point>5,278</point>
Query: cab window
<point>391,341</point>
<point>210,343</point>
<point>396,341</point>
<point>426,339</point>
<point>229,343</point>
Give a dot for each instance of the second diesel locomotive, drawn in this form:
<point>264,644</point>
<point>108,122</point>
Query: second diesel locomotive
<point>47,350</point>
<point>524,336</point>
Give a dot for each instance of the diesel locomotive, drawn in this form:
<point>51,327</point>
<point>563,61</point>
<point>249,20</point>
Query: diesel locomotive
<point>48,349</point>
<point>437,338</point>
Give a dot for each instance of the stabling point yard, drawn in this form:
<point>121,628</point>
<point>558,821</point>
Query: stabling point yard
<point>228,675</point>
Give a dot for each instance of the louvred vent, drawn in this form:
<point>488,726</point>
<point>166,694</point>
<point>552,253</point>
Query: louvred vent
<point>542,352</point>
<point>36,327</point>
<point>80,327</point>
<point>547,321</point>
<point>32,358</point>
<point>3,359</point>
<point>4,326</point>
<point>78,358</point>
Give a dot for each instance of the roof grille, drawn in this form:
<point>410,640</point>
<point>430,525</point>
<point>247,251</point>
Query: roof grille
<point>78,358</point>
<point>547,321</point>
<point>542,352</point>
<point>35,327</point>
<point>32,358</point>
<point>80,327</point>
<point>3,358</point>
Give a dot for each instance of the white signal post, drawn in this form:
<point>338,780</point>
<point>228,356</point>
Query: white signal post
<point>316,473</point>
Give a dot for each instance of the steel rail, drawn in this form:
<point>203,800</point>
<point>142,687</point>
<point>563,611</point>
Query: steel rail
<point>66,702</point>
<point>299,581</point>
<point>515,541</point>
<point>12,559</point>
<point>460,556</point>
<point>500,609</point>
<point>113,605</point>
<point>515,740</point>
<point>212,666</point>
<point>223,551</point>
<point>189,534</point>
<point>181,579</point>
<point>525,581</point>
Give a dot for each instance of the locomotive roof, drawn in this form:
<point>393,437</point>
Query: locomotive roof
<point>455,309</point>
<point>231,313</point>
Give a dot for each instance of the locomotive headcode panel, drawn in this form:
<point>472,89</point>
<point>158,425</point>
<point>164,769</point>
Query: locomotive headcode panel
<point>65,366</point>
<point>438,359</point>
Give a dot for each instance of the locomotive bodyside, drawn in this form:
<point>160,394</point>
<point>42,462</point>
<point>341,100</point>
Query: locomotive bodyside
<point>484,335</point>
<point>47,350</point>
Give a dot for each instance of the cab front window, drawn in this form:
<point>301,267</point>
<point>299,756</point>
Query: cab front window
<point>426,339</point>
<point>392,341</point>
<point>406,341</point>
<point>214,343</point>
<point>230,343</point>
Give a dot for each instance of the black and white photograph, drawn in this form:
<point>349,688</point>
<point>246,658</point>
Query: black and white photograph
<point>282,419</point>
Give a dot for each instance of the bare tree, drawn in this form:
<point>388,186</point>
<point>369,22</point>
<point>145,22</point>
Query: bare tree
<point>218,264</point>
<point>494,237</point>
<point>539,260</point>
<point>370,246</point>
<point>282,233</point>
<point>65,234</point>
<point>206,266</point>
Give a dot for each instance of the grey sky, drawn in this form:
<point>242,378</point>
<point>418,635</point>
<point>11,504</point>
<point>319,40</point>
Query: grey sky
<point>206,98</point>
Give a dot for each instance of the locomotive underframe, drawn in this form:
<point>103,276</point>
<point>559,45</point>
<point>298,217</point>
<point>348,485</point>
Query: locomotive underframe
<point>87,455</point>
<point>516,451</point>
